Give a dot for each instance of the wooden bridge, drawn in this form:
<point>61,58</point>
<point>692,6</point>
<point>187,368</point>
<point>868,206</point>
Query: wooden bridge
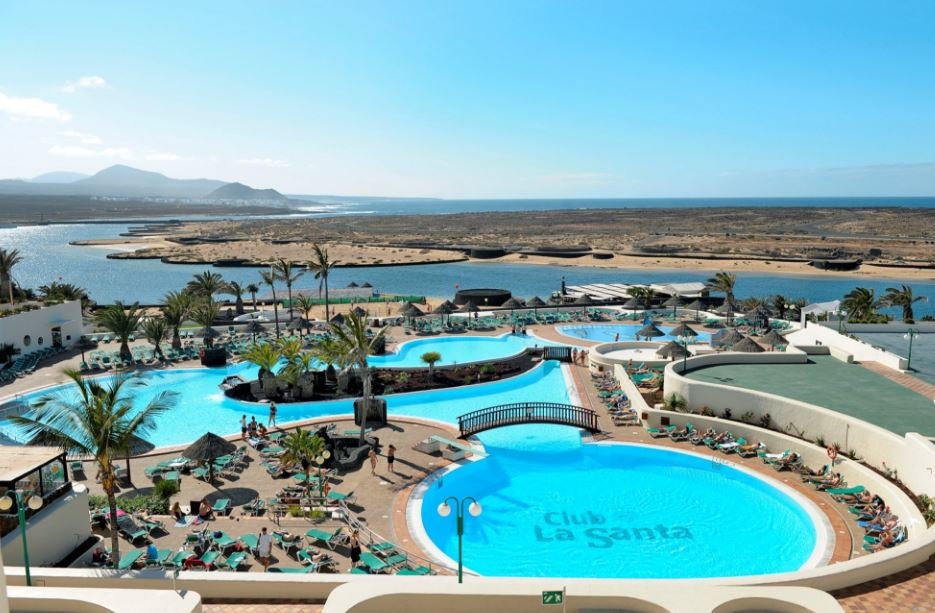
<point>527,413</point>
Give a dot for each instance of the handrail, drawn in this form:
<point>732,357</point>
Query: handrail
<point>525,413</point>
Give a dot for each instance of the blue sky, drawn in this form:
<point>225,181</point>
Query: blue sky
<point>479,99</point>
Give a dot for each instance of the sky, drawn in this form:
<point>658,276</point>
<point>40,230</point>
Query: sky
<point>479,99</point>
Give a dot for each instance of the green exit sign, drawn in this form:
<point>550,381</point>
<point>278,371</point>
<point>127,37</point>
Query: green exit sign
<point>553,597</point>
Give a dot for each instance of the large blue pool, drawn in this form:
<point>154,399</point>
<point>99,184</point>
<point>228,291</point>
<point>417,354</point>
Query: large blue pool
<point>607,333</point>
<point>457,349</point>
<point>616,510</point>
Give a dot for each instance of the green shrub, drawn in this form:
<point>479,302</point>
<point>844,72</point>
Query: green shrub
<point>166,489</point>
<point>96,501</point>
<point>151,505</point>
<point>674,402</point>
<point>747,417</point>
<point>487,370</point>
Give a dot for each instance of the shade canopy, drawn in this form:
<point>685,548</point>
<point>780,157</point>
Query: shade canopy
<point>468,307</point>
<point>366,284</point>
<point>512,303</point>
<point>443,309</point>
<point>413,311</point>
<point>139,446</point>
<point>650,331</point>
<point>747,345</point>
<point>209,447</point>
<point>254,327</point>
<point>298,324</point>
<point>728,339</point>
<point>360,311</point>
<point>758,313</point>
<point>727,308</point>
<point>210,332</point>
<point>352,284</point>
<point>403,307</point>
<point>695,305</point>
<point>673,301</point>
<point>536,301</point>
<point>632,303</point>
<point>338,319</point>
<point>683,330</point>
<point>774,338</point>
<point>673,350</point>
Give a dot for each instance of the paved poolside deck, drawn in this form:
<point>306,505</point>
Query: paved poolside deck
<point>828,382</point>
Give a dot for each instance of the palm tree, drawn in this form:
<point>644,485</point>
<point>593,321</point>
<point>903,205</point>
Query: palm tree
<point>430,357</point>
<point>178,307</point>
<point>121,321</point>
<point>723,282</point>
<point>861,304</point>
<point>289,273</point>
<point>290,349</point>
<point>269,277</point>
<point>322,267</point>
<point>349,347</point>
<point>778,303</point>
<point>62,291</point>
<point>99,421</point>
<point>252,289</point>
<point>306,304</point>
<point>204,313</point>
<point>302,447</point>
<point>207,283</point>
<point>237,290</point>
<point>902,297</point>
<point>265,356</point>
<point>156,329</point>
<point>8,259</point>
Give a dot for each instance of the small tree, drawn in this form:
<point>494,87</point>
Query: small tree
<point>302,447</point>
<point>178,307</point>
<point>252,289</point>
<point>156,330</point>
<point>236,290</point>
<point>430,357</point>
<point>121,321</point>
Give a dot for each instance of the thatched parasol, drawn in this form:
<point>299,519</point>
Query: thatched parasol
<point>773,338</point>
<point>366,284</point>
<point>403,307</point>
<point>445,308</point>
<point>254,328</point>
<point>468,307</point>
<point>695,306</point>
<point>683,330</point>
<point>650,331</point>
<point>759,316</point>
<point>536,302</point>
<point>727,308</point>
<point>673,350</point>
<point>207,449</point>
<point>675,302</point>
<point>298,324</point>
<point>413,311</point>
<point>210,333</point>
<point>352,284</point>
<point>728,339</point>
<point>747,345</point>
<point>338,318</point>
<point>512,304</point>
<point>360,311</point>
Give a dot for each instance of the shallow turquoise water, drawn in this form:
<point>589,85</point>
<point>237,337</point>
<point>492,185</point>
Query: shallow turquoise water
<point>607,333</point>
<point>612,510</point>
<point>457,350</point>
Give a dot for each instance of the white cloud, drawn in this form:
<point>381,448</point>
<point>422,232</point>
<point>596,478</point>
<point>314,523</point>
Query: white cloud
<point>83,137</point>
<point>75,151</point>
<point>34,108</point>
<point>166,157</point>
<point>92,82</point>
<point>268,162</point>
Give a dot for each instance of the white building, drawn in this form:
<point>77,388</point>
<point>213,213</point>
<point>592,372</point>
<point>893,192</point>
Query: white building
<point>59,325</point>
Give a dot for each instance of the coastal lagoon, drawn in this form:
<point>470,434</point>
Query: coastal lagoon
<point>49,257</point>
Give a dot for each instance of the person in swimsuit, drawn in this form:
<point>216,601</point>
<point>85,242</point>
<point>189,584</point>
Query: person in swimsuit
<point>391,457</point>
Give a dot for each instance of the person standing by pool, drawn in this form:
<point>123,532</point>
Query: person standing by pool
<point>373,461</point>
<point>243,427</point>
<point>391,457</point>
<point>272,415</point>
<point>355,548</point>
<point>264,548</point>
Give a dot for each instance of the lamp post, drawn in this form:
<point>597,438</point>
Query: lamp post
<point>910,334</point>
<point>684,340</point>
<point>33,502</point>
<point>444,509</point>
<point>321,460</point>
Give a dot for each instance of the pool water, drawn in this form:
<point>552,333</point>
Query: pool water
<point>617,510</point>
<point>457,350</point>
<point>607,333</point>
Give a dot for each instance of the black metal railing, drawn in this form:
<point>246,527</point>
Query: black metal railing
<point>527,413</point>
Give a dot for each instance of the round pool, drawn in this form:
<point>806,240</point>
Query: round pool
<point>606,333</point>
<point>617,510</point>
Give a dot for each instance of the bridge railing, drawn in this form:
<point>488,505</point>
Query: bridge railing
<point>527,412</point>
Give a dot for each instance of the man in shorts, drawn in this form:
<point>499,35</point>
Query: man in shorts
<point>264,548</point>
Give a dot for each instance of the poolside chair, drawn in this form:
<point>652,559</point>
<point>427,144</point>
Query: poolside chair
<point>161,559</point>
<point>683,434</point>
<point>373,564</point>
<point>660,432</point>
<point>305,557</point>
<point>845,491</point>
<point>178,560</point>
<point>129,530</point>
<point>731,446</point>
<point>222,542</point>
<point>336,496</point>
<point>234,561</point>
<point>151,525</point>
<point>294,571</point>
<point>250,541</point>
<point>130,558</point>
<point>209,559</point>
<point>331,539</point>
<point>221,506</point>
<point>287,545</point>
<point>254,507</point>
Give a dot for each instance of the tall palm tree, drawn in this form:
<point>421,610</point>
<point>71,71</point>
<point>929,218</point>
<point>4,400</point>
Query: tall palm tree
<point>289,273</point>
<point>778,303</point>
<point>204,313</point>
<point>264,356</point>
<point>207,283</point>
<point>177,309</point>
<point>156,329</point>
<point>8,259</point>
<point>902,297</point>
<point>302,447</point>
<point>306,304</point>
<point>349,347</point>
<point>252,289</point>
<point>723,282</point>
<point>861,304</point>
<point>99,421</point>
<point>322,265</point>
<point>290,349</point>
<point>122,321</point>
<point>236,290</point>
<point>270,277</point>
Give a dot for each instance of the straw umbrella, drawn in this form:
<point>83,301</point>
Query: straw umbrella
<point>209,334</point>
<point>728,339</point>
<point>535,302</point>
<point>298,324</point>
<point>138,446</point>
<point>360,311</point>
<point>352,284</point>
<point>338,318</point>
<point>403,307</point>
<point>757,315</point>
<point>468,307</point>
<point>512,304</point>
<point>675,302</point>
<point>366,284</point>
<point>747,345</point>
<point>673,350</point>
<point>650,331</point>
<point>773,338</point>
<point>696,307</point>
<point>254,328</point>
<point>683,330</point>
<point>443,309</point>
<point>413,312</point>
<point>207,449</point>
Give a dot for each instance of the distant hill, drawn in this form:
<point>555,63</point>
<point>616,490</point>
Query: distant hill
<point>59,177</point>
<point>120,180</point>
<point>239,191</point>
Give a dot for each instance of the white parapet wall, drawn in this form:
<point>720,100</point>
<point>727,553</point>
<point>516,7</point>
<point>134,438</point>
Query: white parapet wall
<point>842,346</point>
<point>53,533</point>
<point>31,331</point>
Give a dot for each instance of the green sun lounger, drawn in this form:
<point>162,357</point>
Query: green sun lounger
<point>210,558</point>
<point>331,539</point>
<point>130,558</point>
<point>398,559</point>
<point>234,560</point>
<point>250,541</point>
<point>845,491</point>
<point>660,432</point>
<point>161,558</point>
<point>179,559</point>
<point>382,547</point>
<point>224,541</point>
<point>294,571</point>
<point>359,571</point>
<point>373,563</point>
<point>337,496</point>
<point>222,505</point>
<point>202,472</point>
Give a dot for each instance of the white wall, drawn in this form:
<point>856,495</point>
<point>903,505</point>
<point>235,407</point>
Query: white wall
<point>39,323</point>
<point>841,345</point>
<point>53,532</point>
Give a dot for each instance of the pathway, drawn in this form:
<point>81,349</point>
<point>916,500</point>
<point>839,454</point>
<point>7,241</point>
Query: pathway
<point>906,380</point>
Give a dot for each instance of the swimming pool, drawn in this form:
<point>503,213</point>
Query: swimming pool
<point>617,510</point>
<point>607,333</point>
<point>201,406</point>
<point>457,350</point>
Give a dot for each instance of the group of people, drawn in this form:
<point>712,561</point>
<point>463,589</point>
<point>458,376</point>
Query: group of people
<point>390,459</point>
<point>253,429</point>
<point>521,329</point>
<point>579,356</point>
